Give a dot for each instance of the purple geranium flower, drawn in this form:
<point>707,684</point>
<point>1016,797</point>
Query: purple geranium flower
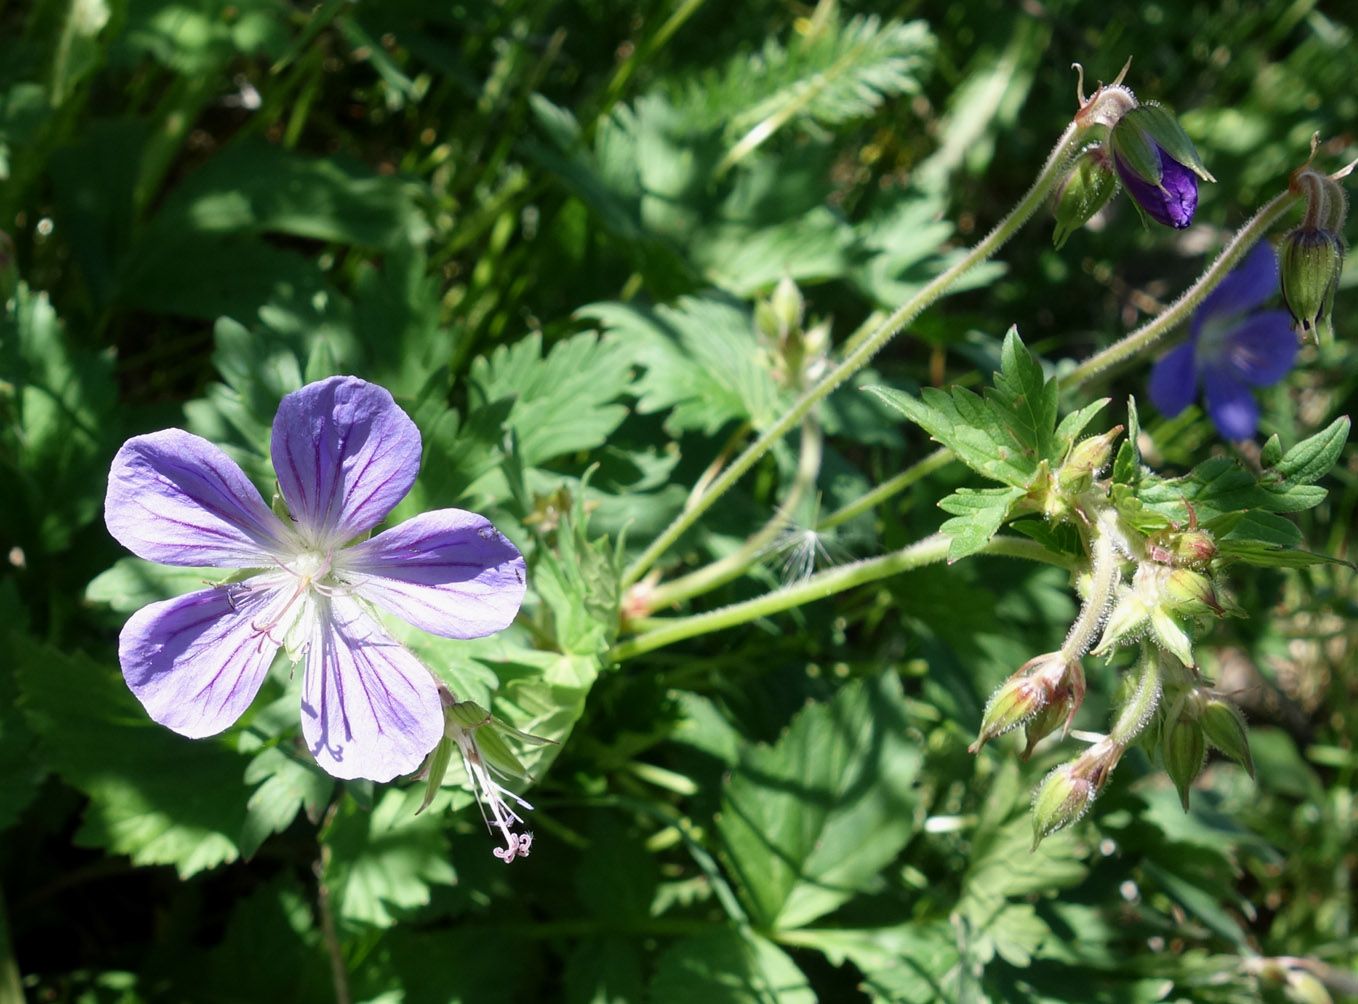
<point>1230,350</point>
<point>1172,200</point>
<point>345,455</point>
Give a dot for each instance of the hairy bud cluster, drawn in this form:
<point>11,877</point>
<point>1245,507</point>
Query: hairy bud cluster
<point>1140,145</point>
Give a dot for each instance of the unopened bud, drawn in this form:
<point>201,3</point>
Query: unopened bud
<point>1047,681</point>
<point>1087,187</point>
<point>1194,548</point>
<point>1224,728</point>
<point>788,305</point>
<point>1158,165</point>
<point>1170,635</point>
<point>1086,459</point>
<point>1310,262</point>
<point>1304,988</point>
<point>1191,593</point>
<point>1063,797</point>
<point>1126,623</point>
<point>1184,749</point>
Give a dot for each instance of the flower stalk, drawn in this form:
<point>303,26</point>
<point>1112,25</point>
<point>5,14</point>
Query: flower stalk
<point>1035,197</point>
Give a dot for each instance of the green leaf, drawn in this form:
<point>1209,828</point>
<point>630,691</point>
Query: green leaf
<point>837,73</point>
<point>564,402</point>
<point>467,964</point>
<point>1074,423</point>
<point>723,966</point>
<point>257,188</point>
<point>286,786</point>
<point>154,795</point>
<point>57,423</point>
<point>580,584</point>
<point>1312,458</point>
<point>383,862</point>
<point>978,515</point>
<point>1024,400</point>
<point>703,363</point>
<point>913,963</point>
<point>1005,435</point>
<point>134,582</point>
<point>952,421</point>
<point>1266,555</point>
<point>810,822</point>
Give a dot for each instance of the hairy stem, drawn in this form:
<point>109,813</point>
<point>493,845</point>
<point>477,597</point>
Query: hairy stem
<point>941,457</point>
<point>1152,332</point>
<point>1104,576</point>
<point>931,549</point>
<point>339,969</point>
<point>858,358</point>
<point>736,563</point>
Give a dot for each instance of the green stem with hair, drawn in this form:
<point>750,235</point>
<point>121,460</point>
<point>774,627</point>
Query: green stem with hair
<point>928,551</point>
<point>858,358</point>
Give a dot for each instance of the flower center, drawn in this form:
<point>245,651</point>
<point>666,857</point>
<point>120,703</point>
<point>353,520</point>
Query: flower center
<point>308,574</point>
<point>1213,344</point>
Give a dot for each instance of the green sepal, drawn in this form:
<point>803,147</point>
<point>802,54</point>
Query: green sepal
<point>1141,131</point>
<point>435,769</point>
<point>1086,189</point>
<point>1184,750</point>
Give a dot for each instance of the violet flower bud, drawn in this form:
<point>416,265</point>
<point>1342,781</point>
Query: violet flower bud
<point>1158,165</point>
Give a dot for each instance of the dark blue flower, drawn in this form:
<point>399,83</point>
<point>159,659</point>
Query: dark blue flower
<point>1232,348</point>
<point>1172,199</point>
<point>1157,164</point>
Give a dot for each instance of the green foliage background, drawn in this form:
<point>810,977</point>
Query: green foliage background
<point>545,227</point>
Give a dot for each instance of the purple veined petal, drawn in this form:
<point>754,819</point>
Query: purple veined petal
<point>1245,287</point>
<point>176,499</point>
<point>196,662</point>
<point>1173,201</point>
<point>369,707</point>
<point>1174,381</point>
<point>1231,406</point>
<point>448,572</point>
<point>345,454</point>
<point>1262,348</point>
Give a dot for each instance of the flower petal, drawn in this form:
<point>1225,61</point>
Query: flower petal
<point>196,661</point>
<point>345,454</point>
<point>1262,348</point>
<point>176,499</point>
<point>1174,381</point>
<point>369,708</point>
<point>447,572</point>
<point>1172,201</point>
<point>1231,405</point>
<point>1247,285</point>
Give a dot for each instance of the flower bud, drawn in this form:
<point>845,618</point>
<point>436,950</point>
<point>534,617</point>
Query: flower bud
<point>1087,187</point>
<point>1305,988</point>
<point>1184,749</point>
<point>1170,635</point>
<point>1191,593</point>
<point>1310,262</point>
<point>1085,460</point>
<point>1047,682</point>
<point>1157,163</point>
<point>1125,624</point>
<point>1225,729</point>
<point>1063,797</point>
<point>1194,548</point>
